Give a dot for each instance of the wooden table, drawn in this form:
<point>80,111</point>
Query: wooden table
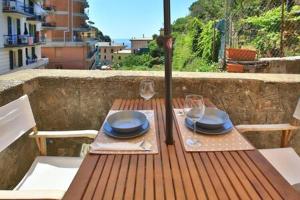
<point>176,174</point>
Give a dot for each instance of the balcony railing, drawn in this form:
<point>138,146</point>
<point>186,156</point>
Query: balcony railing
<point>49,24</point>
<point>17,7</point>
<point>37,18</point>
<point>49,8</point>
<point>21,40</point>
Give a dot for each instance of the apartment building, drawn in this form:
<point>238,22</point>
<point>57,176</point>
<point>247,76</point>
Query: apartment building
<point>140,44</point>
<point>108,50</point>
<point>63,28</point>
<point>118,56</point>
<point>20,37</point>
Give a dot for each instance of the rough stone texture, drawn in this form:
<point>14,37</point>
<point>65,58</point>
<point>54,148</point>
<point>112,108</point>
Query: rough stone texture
<point>285,65</point>
<point>69,100</point>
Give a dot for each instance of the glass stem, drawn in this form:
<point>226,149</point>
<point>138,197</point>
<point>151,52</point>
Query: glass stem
<point>194,129</point>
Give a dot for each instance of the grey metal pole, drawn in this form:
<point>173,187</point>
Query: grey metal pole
<point>168,72</point>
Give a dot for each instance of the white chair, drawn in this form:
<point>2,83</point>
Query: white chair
<point>285,160</point>
<point>49,176</point>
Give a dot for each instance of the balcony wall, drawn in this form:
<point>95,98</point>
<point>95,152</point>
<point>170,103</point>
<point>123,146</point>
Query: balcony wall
<point>68,100</point>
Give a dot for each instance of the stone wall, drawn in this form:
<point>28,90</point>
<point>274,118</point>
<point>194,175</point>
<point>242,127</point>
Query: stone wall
<point>69,100</point>
<point>285,65</point>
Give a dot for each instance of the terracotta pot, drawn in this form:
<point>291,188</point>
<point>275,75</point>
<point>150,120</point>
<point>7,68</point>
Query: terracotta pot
<point>240,54</point>
<point>237,68</point>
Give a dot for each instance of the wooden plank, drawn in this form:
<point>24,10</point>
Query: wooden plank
<point>223,178</point>
<point>130,183</point>
<point>121,182</point>
<point>193,186</point>
<point>243,179</point>
<point>158,171</point>
<point>82,178</point>
<point>266,184</point>
<point>213,177</point>
<point>204,188</point>
<point>279,183</point>
<point>140,174</point>
<point>99,191</point>
<point>265,127</point>
<point>111,182</point>
<point>140,178</point>
<point>120,187</point>
<point>116,104</point>
<point>149,170</point>
<point>232,177</point>
<point>206,180</point>
<point>149,182</point>
<point>167,175</point>
<point>176,173</point>
<point>257,185</point>
<point>89,193</point>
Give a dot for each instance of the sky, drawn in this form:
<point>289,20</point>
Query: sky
<point>124,19</point>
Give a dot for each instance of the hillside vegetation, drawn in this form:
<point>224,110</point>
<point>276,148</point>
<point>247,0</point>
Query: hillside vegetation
<point>197,37</point>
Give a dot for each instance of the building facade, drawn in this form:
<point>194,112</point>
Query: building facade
<point>139,44</point>
<point>20,32</point>
<point>107,50</point>
<point>63,28</point>
<point>118,56</point>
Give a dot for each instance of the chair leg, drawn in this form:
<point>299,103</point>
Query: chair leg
<point>285,138</point>
<point>42,145</point>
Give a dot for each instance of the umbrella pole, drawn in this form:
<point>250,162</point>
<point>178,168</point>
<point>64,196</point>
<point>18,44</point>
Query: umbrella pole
<point>168,72</point>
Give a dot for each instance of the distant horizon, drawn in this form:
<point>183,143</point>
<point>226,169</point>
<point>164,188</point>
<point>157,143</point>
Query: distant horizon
<point>117,20</point>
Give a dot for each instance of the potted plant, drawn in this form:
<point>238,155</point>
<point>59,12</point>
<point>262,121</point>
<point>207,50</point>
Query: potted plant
<point>240,54</point>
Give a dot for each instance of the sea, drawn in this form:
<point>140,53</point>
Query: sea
<point>121,41</point>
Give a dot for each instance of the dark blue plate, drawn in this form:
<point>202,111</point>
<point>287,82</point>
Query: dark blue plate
<point>227,127</point>
<point>127,121</point>
<point>112,133</point>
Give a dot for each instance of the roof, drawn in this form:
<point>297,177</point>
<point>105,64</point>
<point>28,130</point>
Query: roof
<point>109,44</point>
<point>124,51</point>
<point>142,39</point>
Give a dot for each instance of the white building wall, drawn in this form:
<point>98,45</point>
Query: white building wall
<point>4,60</point>
<point>4,52</point>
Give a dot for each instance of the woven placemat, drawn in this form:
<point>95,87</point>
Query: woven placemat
<point>232,141</point>
<point>149,137</point>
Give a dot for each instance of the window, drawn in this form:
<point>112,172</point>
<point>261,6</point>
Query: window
<point>104,50</point>
<point>11,59</point>
<point>30,29</point>
<point>105,57</point>
<point>9,26</point>
<point>111,51</point>
<point>20,58</point>
<point>119,57</point>
<point>33,56</point>
<point>112,57</point>
<point>18,27</point>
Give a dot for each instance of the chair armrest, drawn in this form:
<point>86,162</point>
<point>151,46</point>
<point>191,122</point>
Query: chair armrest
<point>265,127</point>
<point>65,134</point>
<point>31,194</point>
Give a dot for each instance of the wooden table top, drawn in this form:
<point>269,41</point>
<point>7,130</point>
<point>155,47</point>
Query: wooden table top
<point>175,173</point>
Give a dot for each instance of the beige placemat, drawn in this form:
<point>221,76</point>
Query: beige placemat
<point>149,137</point>
<point>232,141</point>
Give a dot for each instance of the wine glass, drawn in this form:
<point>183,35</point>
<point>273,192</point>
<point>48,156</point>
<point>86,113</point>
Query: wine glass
<point>147,89</point>
<point>194,109</point>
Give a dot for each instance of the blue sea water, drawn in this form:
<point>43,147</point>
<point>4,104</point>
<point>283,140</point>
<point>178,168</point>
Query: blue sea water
<point>121,41</point>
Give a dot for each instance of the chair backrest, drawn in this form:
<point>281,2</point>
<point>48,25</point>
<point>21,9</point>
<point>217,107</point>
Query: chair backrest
<point>297,111</point>
<point>16,118</point>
